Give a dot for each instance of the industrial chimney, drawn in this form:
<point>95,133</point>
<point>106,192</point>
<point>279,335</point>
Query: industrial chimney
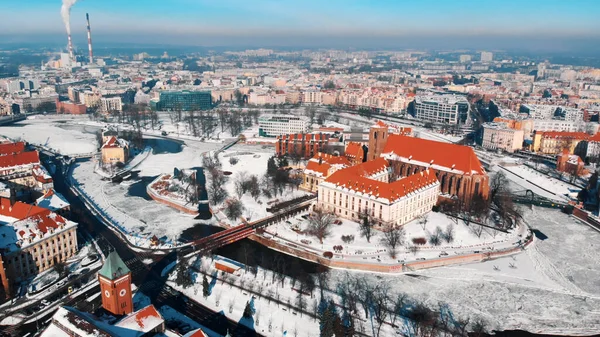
<point>89,31</point>
<point>71,55</point>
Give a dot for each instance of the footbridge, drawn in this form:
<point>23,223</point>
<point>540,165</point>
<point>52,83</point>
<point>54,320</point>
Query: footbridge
<point>528,197</point>
<point>231,235</point>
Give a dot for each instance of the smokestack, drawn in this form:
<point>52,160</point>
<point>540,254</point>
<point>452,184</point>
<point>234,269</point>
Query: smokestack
<point>71,56</point>
<point>89,31</point>
<point>65,12</point>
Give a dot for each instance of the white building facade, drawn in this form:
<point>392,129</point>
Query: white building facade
<point>447,109</point>
<point>277,125</point>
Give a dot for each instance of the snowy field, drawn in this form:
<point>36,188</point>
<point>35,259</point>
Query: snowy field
<point>465,240</point>
<point>252,161</point>
<point>554,287</point>
<point>52,133</point>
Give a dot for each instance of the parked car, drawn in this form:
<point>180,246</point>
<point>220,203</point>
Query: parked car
<point>164,133</point>
<point>443,254</point>
<point>61,283</point>
<point>45,303</point>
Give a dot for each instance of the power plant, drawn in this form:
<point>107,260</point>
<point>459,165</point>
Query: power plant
<point>66,16</point>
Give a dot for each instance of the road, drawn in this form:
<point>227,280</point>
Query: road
<point>148,277</point>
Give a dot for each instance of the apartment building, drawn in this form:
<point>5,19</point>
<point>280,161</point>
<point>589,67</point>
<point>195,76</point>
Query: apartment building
<point>33,239</point>
<point>365,189</point>
<point>304,145</point>
<point>554,142</point>
<point>498,136</point>
<point>277,125</point>
<point>110,104</point>
<point>446,109</point>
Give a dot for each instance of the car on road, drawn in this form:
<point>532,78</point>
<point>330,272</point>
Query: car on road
<point>45,303</point>
<point>443,254</point>
<point>61,283</point>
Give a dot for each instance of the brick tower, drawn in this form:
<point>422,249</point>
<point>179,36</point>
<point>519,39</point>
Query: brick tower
<point>378,136</point>
<point>115,285</point>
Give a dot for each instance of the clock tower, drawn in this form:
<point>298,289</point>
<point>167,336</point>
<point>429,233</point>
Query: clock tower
<point>115,285</point>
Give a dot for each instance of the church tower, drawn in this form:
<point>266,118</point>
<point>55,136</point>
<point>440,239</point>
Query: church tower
<point>378,135</point>
<point>115,285</point>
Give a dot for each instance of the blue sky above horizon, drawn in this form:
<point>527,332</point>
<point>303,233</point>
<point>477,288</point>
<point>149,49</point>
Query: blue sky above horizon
<point>181,19</point>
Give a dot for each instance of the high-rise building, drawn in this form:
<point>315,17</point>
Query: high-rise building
<point>183,100</point>
<point>448,109</point>
<point>115,285</point>
<point>465,58</point>
<point>487,56</point>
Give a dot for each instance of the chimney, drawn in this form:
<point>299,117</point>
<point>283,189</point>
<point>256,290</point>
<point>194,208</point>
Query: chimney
<point>71,55</point>
<point>89,32</point>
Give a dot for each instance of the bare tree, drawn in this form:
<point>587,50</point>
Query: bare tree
<point>319,224</point>
<point>423,221</point>
<point>233,209</point>
<point>366,226</point>
<point>392,239</point>
<point>498,184</point>
<point>479,327</point>
<point>216,190</point>
<point>413,249</point>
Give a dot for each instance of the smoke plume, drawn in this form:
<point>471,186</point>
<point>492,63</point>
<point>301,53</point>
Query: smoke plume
<point>65,12</point>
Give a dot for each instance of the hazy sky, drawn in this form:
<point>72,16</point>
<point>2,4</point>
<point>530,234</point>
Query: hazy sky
<point>218,22</point>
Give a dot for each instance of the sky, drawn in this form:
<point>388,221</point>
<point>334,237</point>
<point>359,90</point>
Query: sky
<point>351,23</point>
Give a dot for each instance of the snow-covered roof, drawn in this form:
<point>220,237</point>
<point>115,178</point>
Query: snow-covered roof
<point>141,321</point>
<point>114,142</point>
<point>22,224</point>
<point>53,201</point>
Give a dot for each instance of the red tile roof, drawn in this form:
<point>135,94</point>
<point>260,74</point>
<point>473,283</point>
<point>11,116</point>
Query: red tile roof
<point>42,218</point>
<point>143,320</point>
<point>353,150</point>
<point>23,158</point>
<point>561,134</point>
<point>322,162</point>
<point>346,178</point>
<point>370,167</point>
<point>437,155</point>
<point>11,148</point>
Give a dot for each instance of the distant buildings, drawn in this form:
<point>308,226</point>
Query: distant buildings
<point>32,239</point>
<point>277,125</point>
<point>570,163</point>
<point>183,100</point>
<point>498,136</point>
<point>110,104</point>
<point>487,56</point>
<point>464,58</point>
<point>446,109</point>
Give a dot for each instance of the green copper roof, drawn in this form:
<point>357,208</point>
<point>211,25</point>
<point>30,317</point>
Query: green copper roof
<point>113,267</point>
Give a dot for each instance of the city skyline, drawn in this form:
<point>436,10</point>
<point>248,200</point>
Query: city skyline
<point>469,24</point>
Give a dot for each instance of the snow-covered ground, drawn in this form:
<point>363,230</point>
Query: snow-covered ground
<point>252,161</point>
<point>554,287</point>
<point>48,132</point>
<point>465,240</point>
<point>541,184</point>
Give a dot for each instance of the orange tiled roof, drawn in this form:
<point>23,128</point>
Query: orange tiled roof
<point>370,167</point>
<point>353,149</point>
<point>23,158</point>
<point>437,155</point>
<point>347,178</point>
<point>11,148</point>
<point>42,217</point>
<point>561,134</point>
<point>322,162</point>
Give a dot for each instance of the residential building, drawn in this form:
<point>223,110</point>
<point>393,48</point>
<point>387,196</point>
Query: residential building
<point>539,111</point>
<point>65,107</point>
<point>457,168</point>
<point>183,100</point>
<point>303,145</point>
<point>366,189</point>
<point>110,104</point>
<point>277,125</point>
<point>564,126</point>
<point>320,167</point>
<point>446,109</point>
<point>487,56</point>
<point>115,150</point>
<point>18,170</point>
<point>553,142</point>
<point>464,58</point>
<point>33,239</point>
<point>498,136</point>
